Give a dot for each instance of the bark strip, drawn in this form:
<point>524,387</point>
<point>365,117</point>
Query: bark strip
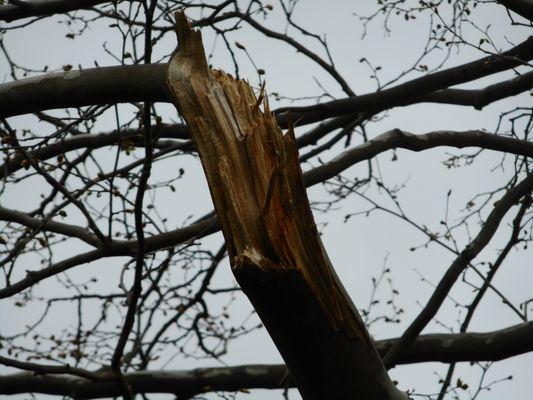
<point>274,247</point>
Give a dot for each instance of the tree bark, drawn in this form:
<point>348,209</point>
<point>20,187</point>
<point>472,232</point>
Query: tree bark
<point>521,7</point>
<point>274,247</point>
<point>39,8</point>
<point>131,83</point>
<point>442,347</point>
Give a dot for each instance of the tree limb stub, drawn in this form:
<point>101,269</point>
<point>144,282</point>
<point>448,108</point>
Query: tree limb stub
<point>274,247</point>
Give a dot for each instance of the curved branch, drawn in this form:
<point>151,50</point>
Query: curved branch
<point>32,277</point>
<point>400,94</point>
<point>471,309</point>
<point>387,141</point>
<point>475,98</point>
<point>117,248</point>
<point>49,225</point>
<point>489,346</point>
<point>397,138</point>
<point>330,68</point>
<point>49,369</point>
<point>94,141</point>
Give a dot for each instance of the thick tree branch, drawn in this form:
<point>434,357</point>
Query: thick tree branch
<point>458,347</point>
<point>521,7</point>
<point>400,94</point>
<point>482,97</point>
<point>76,88</point>
<point>146,82</point>
<point>397,138</point>
<point>446,348</point>
<point>42,8</point>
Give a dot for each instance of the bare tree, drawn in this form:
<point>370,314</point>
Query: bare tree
<point>118,281</point>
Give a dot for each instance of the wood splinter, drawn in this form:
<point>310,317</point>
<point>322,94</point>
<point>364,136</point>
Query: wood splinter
<point>274,247</point>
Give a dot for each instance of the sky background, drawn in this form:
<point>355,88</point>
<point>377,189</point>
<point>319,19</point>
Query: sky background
<point>359,247</point>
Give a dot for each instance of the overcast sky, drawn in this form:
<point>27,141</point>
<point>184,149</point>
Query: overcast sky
<point>359,247</point>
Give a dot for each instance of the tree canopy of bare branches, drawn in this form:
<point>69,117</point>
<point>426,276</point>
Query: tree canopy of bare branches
<point>407,124</point>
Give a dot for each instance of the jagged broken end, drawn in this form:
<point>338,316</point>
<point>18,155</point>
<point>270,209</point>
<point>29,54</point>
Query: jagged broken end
<point>257,186</point>
<point>254,176</point>
<point>190,47</point>
<point>255,180</point>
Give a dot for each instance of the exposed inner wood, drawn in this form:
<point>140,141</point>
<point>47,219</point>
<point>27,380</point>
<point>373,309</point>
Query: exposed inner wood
<point>254,177</point>
<point>256,185</point>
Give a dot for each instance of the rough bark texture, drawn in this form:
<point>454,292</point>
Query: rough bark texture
<point>274,247</point>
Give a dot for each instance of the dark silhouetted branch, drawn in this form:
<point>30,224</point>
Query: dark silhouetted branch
<point>521,7</point>
<point>432,306</point>
<point>173,238</point>
<point>146,83</point>
<point>42,8</point>
<point>400,94</point>
<point>387,141</point>
<point>397,138</point>
<point>75,88</point>
<point>446,348</point>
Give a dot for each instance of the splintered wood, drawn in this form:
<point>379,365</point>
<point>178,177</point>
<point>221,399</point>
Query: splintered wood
<point>274,247</point>
<point>253,174</point>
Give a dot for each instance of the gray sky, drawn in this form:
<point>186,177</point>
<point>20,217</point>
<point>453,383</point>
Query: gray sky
<point>357,248</point>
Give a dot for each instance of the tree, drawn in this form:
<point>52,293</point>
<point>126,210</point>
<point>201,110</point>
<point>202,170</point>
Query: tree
<point>97,155</point>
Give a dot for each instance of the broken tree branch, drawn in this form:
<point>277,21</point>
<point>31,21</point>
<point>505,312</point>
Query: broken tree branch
<point>274,248</point>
